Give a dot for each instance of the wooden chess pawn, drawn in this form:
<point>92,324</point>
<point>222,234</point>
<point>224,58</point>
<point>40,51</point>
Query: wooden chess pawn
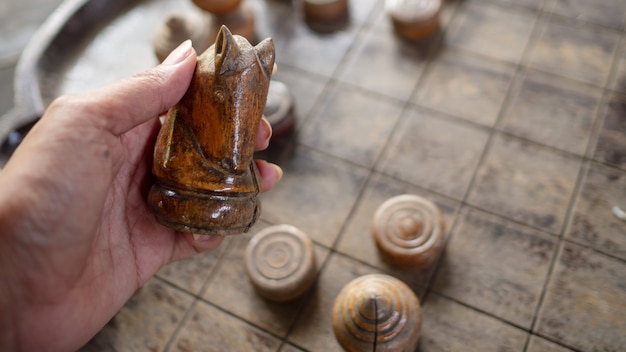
<point>414,19</point>
<point>326,15</point>
<point>377,310</point>
<point>206,179</point>
<point>280,262</point>
<point>279,109</point>
<point>179,27</point>
<point>280,113</point>
<point>409,231</point>
<point>237,15</point>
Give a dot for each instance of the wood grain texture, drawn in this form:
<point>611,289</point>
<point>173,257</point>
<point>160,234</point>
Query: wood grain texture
<point>207,182</point>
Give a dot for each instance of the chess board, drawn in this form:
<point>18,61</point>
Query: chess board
<point>511,119</point>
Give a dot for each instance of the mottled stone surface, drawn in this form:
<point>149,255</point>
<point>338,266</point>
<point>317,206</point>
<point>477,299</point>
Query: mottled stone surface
<point>553,111</point>
<point>434,152</point>
<point>350,112</point>
<point>450,326</point>
<point>316,195</point>
<point>610,146</point>
<point>494,31</point>
<point>466,85</point>
<point>208,328</point>
<point>585,301</point>
<point>146,322</point>
<point>496,266</point>
<point>593,223</point>
<point>578,51</point>
<point>526,182</point>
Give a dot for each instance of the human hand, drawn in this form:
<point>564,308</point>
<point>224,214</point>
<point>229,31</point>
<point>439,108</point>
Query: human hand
<point>76,236</point>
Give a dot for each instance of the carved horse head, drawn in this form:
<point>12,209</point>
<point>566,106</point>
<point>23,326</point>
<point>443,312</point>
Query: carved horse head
<point>227,95</point>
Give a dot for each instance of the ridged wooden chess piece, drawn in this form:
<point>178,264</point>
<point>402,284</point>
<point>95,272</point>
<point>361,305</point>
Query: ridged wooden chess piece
<point>179,27</point>
<point>206,179</point>
<point>377,313</point>
<point>281,263</point>
<point>409,231</point>
<point>326,15</point>
<point>414,19</point>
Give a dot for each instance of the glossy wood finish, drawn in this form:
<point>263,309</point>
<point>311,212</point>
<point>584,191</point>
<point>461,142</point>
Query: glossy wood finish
<point>326,15</point>
<point>414,19</point>
<point>409,231</point>
<point>206,179</point>
<point>377,312</point>
<point>281,263</point>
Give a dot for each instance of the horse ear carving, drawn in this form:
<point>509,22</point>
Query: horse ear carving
<point>226,51</point>
<point>266,54</point>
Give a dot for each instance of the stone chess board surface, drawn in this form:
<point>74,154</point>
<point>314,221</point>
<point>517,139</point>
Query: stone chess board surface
<point>512,119</point>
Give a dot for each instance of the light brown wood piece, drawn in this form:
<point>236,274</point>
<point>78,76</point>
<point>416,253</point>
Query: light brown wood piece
<point>206,180</point>
<point>281,263</point>
<point>217,6</point>
<point>326,15</point>
<point>409,231</point>
<point>414,19</point>
<point>179,27</point>
<point>377,313</point>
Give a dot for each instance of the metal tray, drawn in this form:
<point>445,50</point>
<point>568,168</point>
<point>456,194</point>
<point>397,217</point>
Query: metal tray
<point>83,44</point>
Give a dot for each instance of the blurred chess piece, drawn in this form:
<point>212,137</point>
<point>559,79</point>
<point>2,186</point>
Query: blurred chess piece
<point>280,113</point>
<point>409,231</point>
<point>326,15</point>
<point>206,179</point>
<point>377,311</point>
<point>237,15</point>
<point>179,27</point>
<point>414,19</point>
<point>281,263</point>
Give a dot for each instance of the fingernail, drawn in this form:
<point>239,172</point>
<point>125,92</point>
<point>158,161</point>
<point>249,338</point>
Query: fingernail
<point>179,54</point>
<point>279,171</point>
<point>268,131</point>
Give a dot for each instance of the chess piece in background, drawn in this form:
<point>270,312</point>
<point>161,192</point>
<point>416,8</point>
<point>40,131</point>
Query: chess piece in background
<point>378,311</point>
<point>280,113</point>
<point>414,19</point>
<point>206,179</point>
<point>326,15</point>
<point>179,27</point>
<point>409,231</point>
<point>281,263</point>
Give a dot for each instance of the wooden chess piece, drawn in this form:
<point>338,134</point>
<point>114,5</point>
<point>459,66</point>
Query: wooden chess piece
<point>409,231</point>
<point>377,312</point>
<point>280,113</point>
<point>179,27</point>
<point>414,19</point>
<point>280,262</point>
<point>326,15</point>
<point>279,110</point>
<point>206,179</point>
<point>237,15</point>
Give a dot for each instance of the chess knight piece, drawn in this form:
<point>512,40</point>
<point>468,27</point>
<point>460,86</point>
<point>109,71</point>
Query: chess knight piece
<point>206,179</point>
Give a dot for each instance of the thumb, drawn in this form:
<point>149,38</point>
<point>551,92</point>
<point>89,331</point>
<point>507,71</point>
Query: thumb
<point>127,103</point>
